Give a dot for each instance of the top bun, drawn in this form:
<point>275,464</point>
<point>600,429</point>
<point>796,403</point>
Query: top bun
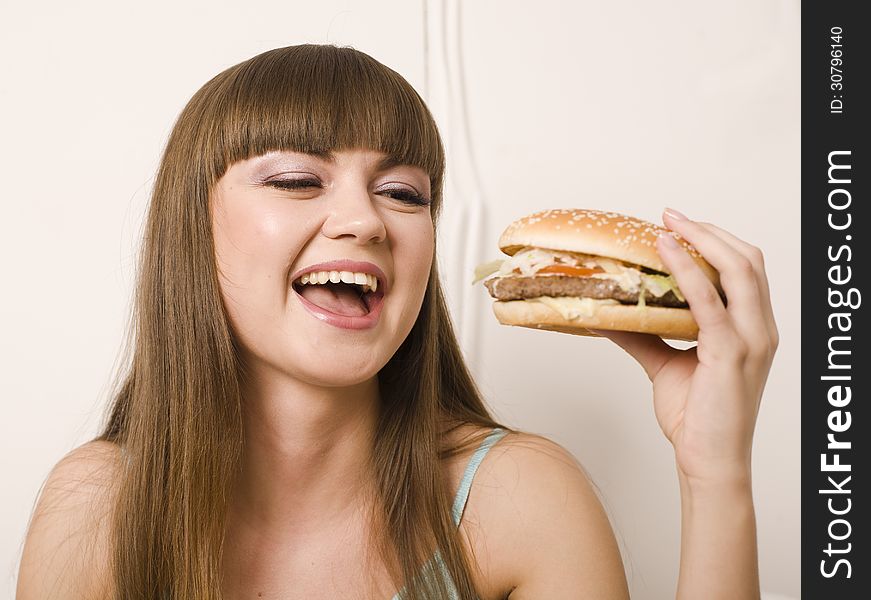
<point>600,233</point>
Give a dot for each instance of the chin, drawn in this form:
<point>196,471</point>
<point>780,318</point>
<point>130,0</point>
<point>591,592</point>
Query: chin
<point>341,368</point>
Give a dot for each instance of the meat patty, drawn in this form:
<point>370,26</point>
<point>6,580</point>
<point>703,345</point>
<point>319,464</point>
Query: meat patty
<point>520,288</point>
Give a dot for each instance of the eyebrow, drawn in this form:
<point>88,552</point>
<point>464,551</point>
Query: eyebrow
<point>385,163</point>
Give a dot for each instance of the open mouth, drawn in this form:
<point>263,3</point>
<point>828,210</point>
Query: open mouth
<point>340,292</point>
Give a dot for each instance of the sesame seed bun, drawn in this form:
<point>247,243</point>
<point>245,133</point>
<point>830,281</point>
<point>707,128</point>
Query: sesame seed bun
<point>599,233</point>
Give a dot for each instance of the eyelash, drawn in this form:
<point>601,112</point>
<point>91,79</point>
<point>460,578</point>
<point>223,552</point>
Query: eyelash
<point>405,196</point>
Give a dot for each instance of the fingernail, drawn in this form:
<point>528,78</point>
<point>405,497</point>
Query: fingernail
<point>675,214</point>
<point>668,240</point>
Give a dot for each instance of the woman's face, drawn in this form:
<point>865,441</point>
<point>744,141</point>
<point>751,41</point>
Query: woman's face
<point>279,215</point>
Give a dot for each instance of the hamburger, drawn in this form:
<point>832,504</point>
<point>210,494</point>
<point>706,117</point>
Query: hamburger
<point>572,270</point>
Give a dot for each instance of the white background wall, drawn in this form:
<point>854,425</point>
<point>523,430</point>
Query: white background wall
<point>629,106</point>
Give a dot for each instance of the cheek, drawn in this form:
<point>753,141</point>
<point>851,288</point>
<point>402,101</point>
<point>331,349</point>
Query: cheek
<point>413,254</point>
<point>252,252</point>
<point>252,242</point>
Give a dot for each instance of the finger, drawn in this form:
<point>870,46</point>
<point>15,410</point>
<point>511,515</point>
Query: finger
<point>754,255</point>
<point>649,350</point>
<point>737,273</point>
<point>704,301</point>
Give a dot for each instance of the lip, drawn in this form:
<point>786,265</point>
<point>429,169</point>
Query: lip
<point>366,321</point>
<point>347,265</point>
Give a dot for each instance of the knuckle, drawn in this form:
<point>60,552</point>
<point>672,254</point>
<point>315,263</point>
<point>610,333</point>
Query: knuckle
<point>759,350</point>
<point>756,254</point>
<point>744,266</point>
<point>757,258</point>
<point>719,320</point>
<point>740,349</point>
<point>709,295</point>
<point>731,350</point>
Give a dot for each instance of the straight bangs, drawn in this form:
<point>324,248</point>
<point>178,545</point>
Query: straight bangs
<point>319,99</point>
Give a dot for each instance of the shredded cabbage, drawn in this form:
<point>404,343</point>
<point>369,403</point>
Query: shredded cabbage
<point>484,270</point>
<point>610,265</point>
<point>628,279</point>
<point>659,285</point>
<point>676,289</point>
<point>530,260</point>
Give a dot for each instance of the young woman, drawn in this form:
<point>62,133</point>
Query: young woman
<point>261,447</point>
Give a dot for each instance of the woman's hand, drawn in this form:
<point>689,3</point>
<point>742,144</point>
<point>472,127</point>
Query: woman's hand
<point>706,398</point>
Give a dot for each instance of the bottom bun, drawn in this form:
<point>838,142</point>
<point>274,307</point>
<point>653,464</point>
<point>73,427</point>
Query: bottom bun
<point>668,323</point>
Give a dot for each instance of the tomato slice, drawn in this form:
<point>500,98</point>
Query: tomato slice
<point>570,270</point>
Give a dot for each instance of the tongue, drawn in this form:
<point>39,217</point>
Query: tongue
<point>340,298</point>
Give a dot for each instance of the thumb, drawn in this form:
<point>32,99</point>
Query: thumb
<point>649,350</point>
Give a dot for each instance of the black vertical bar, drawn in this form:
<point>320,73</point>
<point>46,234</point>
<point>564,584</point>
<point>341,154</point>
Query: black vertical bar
<point>836,228</point>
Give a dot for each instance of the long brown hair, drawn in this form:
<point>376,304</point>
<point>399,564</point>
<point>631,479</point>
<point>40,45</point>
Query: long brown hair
<point>177,408</point>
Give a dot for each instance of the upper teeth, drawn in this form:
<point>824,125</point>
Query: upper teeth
<point>367,280</point>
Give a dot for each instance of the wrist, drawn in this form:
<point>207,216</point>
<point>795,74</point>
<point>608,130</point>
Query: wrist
<point>731,484</point>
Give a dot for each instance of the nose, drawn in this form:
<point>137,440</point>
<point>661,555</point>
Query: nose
<point>352,214</point>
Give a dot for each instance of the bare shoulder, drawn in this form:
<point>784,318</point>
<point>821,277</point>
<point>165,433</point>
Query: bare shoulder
<point>66,547</point>
<point>535,519</point>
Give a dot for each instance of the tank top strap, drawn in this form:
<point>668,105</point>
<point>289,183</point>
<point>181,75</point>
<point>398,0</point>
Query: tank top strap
<point>466,483</point>
<point>435,567</point>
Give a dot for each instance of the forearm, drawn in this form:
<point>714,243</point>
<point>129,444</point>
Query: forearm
<point>718,556</point>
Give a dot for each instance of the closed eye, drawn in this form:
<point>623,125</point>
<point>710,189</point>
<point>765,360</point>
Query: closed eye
<point>294,184</point>
<point>406,196</point>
